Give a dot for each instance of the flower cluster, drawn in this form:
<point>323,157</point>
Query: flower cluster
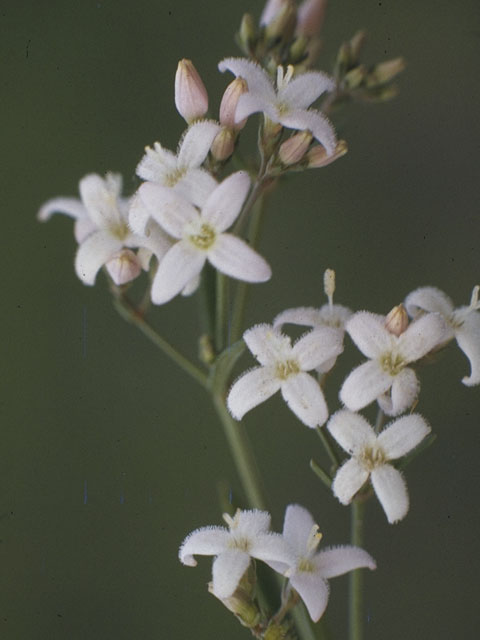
<point>293,554</point>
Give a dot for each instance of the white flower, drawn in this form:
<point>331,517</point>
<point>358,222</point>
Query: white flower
<point>311,569</point>
<point>102,228</point>
<point>248,536</point>
<point>284,368</point>
<point>200,236</point>
<point>390,355</point>
<point>371,454</point>
<point>329,315</point>
<point>287,104</point>
<point>181,172</point>
<point>462,323</point>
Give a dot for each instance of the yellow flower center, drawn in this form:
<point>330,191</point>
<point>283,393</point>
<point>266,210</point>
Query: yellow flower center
<point>392,363</point>
<point>372,457</point>
<point>119,230</point>
<point>285,369</point>
<point>173,177</point>
<point>204,238</point>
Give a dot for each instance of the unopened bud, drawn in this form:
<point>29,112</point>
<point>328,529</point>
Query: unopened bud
<point>247,34</point>
<point>283,23</point>
<point>311,15</point>
<point>317,157</point>
<point>343,61</point>
<point>385,72</point>
<point>123,267</point>
<point>397,320</point>
<point>329,284</point>
<point>206,352</point>
<point>191,98</point>
<point>356,45</point>
<point>292,150</point>
<point>229,102</point>
<point>272,7</point>
<point>223,144</point>
<point>276,631</point>
<point>355,77</point>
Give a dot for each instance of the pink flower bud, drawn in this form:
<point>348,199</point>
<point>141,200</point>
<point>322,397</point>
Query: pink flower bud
<point>223,144</point>
<point>311,14</point>
<point>272,7</point>
<point>191,98</point>
<point>292,150</point>
<point>317,157</point>
<point>397,320</point>
<point>123,266</point>
<point>229,103</point>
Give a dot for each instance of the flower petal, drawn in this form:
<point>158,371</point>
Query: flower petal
<point>405,388</point>
<point>196,143</point>
<point>156,164</point>
<point>168,208</point>
<point>250,390</point>
<point>305,88</point>
<point>181,263</point>
<point>195,186</point>
<point>352,432</point>
<point>101,198</point>
<point>318,346</point>
<point>272,549</point>
<point>313,590</point>
<point>313,121</point>
<point>403,435</point>
<point>249,103</point>
<point>267,344</point>
<point>428,299</point>
<point>297,527</point>
<point>206,541</point>
<point>250,523</point>
<point>305,398</point>
<point>225,202</point>
<point>391,491</point>
<point>93,253</point>
<point>369,333</point>
<point>364,385</point>
<point>422,336</point>
<point>72,207</point>
<point>468,339</point>
<point>257,79</point>
<point>236,259</point>
<point>349,479</point>
<point>227,570</point>
<point>336,561</point>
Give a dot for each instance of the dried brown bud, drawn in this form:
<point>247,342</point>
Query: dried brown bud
<point>397,320</point>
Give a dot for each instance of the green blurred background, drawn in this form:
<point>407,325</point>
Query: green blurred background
<point>109,455</point>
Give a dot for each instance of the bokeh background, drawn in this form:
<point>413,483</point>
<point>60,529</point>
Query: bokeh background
<point>109,456</point>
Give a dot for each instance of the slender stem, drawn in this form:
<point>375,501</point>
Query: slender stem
<point>380,421</point>
<point>242,455</point>
<point>220,311</point>
<point>328,447</point>
<point>355,617</point>
<point>128,311</point>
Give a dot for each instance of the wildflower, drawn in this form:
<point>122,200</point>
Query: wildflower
<point>287,103</point>
<point>389,356</point>
<point>310,570</point>
<point>247,536</point>
<point>182,172</point>
<point>283,367</point>
<point>102,229</point>
<point>200,236</point>
<point>371,455</point>
<point>463,323</point>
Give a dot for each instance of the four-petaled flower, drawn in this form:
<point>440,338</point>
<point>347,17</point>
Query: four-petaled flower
<point>390,355</point>
<point>463,323</point>
<point>200,236</point>
<point>310,570</point>
<point>248,536</point>
<point>101,228</point>
<point>182,172</point>
<point>287,103</point>
<point>371,456</point>
<point>283,367</point>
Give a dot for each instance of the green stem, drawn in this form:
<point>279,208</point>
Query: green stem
<point>242,454</point>
<point>220,311</point>
<point>355,617</point>
<point>328,447</point>
<point>128,311</point>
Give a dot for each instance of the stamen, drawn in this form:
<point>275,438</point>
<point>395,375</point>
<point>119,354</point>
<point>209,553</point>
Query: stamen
<point>329,285</point>
<point>285,369</point>
<point>205,238</point>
